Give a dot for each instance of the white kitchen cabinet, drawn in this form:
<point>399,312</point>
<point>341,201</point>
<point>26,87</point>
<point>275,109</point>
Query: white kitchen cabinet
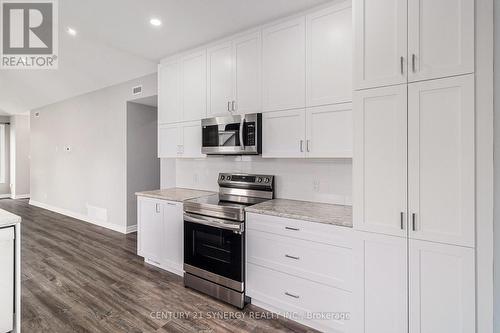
<point>220,79</point>
<point>7,282</point>
<point>169,140</point>
<point>169,106</point>
<point>160,233</point>
<point>329,55</point>
<point>191,140</point>
<point>194,85</point>
<point>441,288</point>
<point>441,160</point>
<point>329,131</point>
<point>150,229</point>
<point>283,56</point>
<point>283,133</point>
<point>440,38</point>
<point>381,287</point>
<point>379,164</point>
<point>380,43</point>
<point>172,258</point>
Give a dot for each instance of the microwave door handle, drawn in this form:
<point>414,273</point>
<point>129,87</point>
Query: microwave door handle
<point>242,125</point>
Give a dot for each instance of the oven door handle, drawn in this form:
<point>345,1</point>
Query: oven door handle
<point>242,127</point>
<point>213,222</point>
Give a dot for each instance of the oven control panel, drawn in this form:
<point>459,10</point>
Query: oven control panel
<point>239,179</point>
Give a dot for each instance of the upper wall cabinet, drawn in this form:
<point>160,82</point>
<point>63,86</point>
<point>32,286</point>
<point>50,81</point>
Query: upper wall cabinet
<point>234,76</point>
<point>329,55</point>
<point>194,85</point>
<point>439,41</point>
<point>440,38</point>
<point>284,65</point>
<point>169,107</point>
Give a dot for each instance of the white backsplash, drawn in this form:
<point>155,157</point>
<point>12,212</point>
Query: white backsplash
<point>328,181</point>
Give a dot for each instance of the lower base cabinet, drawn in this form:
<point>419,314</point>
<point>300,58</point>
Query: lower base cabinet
<point>160,233</point>
<point>7,279</point>
<point>413,286</point>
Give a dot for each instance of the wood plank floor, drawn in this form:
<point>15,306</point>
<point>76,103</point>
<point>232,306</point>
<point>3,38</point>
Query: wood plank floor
<point>77,277</point>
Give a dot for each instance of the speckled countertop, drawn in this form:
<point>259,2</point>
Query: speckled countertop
<point>7,218</point>
<point>174,194</point>
<point>304,210</point>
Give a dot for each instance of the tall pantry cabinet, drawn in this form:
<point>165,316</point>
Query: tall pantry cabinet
<point>414,158</point>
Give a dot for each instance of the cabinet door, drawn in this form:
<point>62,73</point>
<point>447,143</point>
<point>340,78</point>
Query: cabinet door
<point>6,279</point>
<point>284,65</point>
<point>329,55</point>
<point>150,229</point>
<point>379,164</point>
<point>191,139</point>
<point>441,160</point>
<point>329,131</point>
<point>173,236</point>
<point>442,288</point>
<point>247,59</point>
<point>194,86</point>
<point>380,42</point>
<point>380,293</point>
<point>169,108</point>
<point>440,38</point>
<point>283,133</point>
<point>220,79</point>
<point>169,140</point>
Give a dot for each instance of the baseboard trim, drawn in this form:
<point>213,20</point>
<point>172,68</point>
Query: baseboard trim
<point>131,228</point>
<point>78,216</point>
<point>5,196</point>
<point>20,196</point>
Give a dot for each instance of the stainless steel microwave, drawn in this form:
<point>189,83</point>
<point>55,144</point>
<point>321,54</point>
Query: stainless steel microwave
<point>232,135</point>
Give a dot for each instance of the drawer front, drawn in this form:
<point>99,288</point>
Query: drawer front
<point>312,231</point>
<point>327,264</point>
<point>300,299</point>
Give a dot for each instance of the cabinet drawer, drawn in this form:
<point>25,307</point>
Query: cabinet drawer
<point>316,232</point>
<point>326,264</point>
<point>299,299</point>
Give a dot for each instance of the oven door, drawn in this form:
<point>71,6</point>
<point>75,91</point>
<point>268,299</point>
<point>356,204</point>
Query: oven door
<point>214,250</point>
<point>237,134</point>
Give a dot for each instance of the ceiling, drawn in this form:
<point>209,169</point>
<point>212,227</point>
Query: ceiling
<point>116,43</point>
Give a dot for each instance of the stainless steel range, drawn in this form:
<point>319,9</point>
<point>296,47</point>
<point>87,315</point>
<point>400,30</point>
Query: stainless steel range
<point>214,236</point>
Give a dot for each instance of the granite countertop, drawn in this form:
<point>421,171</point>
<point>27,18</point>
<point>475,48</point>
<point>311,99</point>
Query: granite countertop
<point>304,210</point>
<point>7,218</point>
<point>174,194</point>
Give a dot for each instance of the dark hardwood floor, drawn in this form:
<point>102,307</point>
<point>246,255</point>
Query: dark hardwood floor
<point>77,277</point>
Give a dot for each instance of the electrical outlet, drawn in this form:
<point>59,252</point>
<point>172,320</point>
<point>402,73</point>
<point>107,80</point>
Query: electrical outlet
<point>316,185</point>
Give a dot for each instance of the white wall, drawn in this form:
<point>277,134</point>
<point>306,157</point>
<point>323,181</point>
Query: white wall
<point>5,184</point>
<point>497,169</point>
<point>143,164</point>
<point>89,181</point>
<point>19,156</point>
<point>328,181</point>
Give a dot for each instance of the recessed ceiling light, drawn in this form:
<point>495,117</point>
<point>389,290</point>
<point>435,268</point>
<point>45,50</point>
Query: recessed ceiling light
<point>71,31</point>
<point>155,22</point>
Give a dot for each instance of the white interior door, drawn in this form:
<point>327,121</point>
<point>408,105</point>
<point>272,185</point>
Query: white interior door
<point>6,279</point>
<point>380,43</point>
<point>220,79</point>
<point>194,86</point>
<point>173,251</point>
<point>329,131</point>
<point>191,139</point>
<point>442,288</point>
<point>441,160</point>
<point>169,140</point>
<point>380,294</point>
<point>440,38</point>
<point>283,133</point>
<point>329,55</point>
<point>284,65</point>
<point>169,108</point>
<point>379,163</point>
<point>247,59</point>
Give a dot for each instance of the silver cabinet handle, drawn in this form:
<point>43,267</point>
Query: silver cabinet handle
<point>413,62</point>
<point>292,257</point>
<point>301,145</point>
<point>307,145</point>
<point>158,207</point>
<point>402,221</point>
<point>291,228</point>
<point>228,106</point>
<point>414,221</point>
<point>292,295</point>
<point>402,60</point>
<point>233,105</point>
